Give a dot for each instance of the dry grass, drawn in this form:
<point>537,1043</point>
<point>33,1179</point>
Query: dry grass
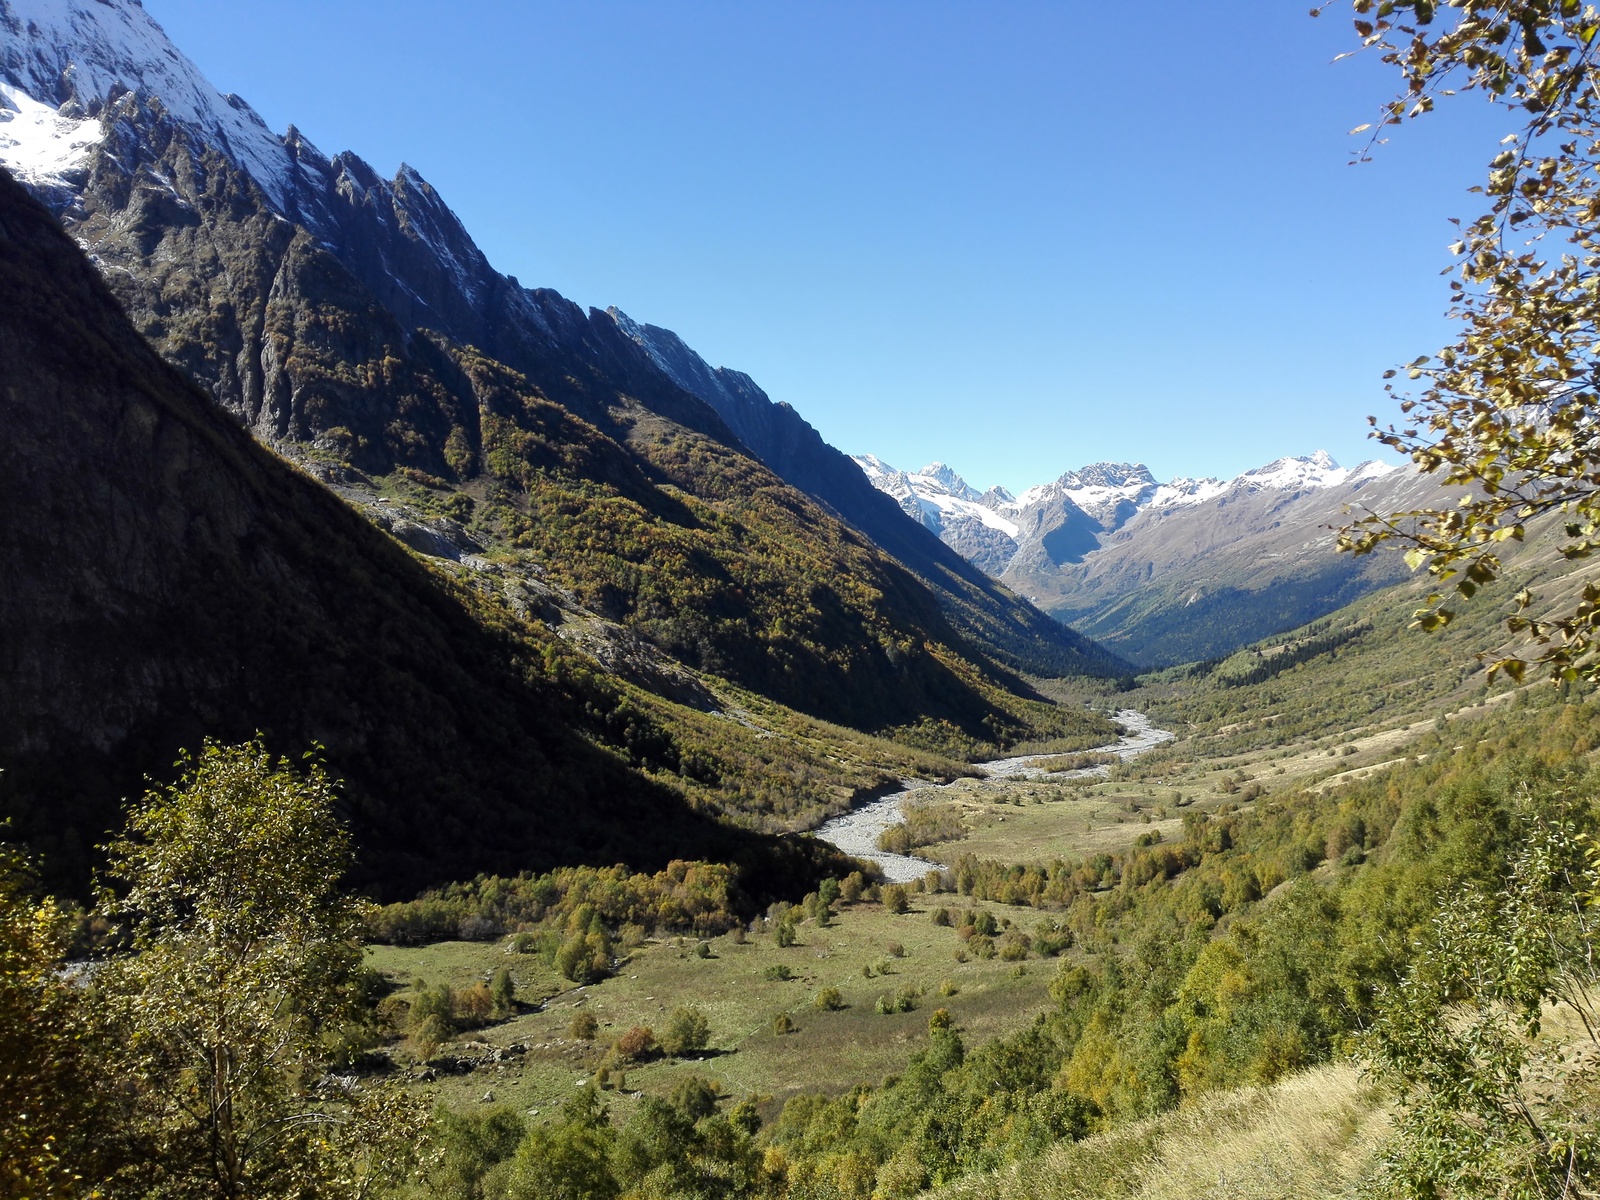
<point>1314,1135</point>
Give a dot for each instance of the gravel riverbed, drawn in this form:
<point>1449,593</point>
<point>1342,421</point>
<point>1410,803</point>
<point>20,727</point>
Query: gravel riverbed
<point>856,832</point>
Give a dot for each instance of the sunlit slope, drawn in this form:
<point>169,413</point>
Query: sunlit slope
<point>1362,666</point>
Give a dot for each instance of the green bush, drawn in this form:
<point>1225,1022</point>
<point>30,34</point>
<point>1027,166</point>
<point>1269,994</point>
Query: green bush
<point>687,1032</point>
<point>503,992</point>
<point>903,1001</point>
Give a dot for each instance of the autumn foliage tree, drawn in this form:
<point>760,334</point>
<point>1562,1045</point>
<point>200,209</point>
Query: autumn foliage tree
<point>218,1021</point>
<point>1507,415</point>
<point>43,1070</point>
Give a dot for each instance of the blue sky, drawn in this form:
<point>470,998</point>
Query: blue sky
<point>1016,236</point>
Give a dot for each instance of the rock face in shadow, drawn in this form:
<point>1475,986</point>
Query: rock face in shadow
<point>167,578</point>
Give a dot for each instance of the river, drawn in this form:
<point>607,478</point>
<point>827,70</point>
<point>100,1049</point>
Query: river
<point>856,832</point>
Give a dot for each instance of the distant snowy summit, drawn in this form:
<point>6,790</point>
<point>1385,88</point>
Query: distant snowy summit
<point>63,61</point>
<point>1081,507</point>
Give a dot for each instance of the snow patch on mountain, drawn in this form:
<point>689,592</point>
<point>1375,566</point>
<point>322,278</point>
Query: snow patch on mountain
<point>1312,473</point>
<point>74,56</point>
<point>937,496</point>
<point>1183,490</point>
<point>37,144</point>
<point>1109,494</point>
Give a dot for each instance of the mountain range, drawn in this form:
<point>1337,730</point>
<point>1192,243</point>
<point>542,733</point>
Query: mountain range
<point>1171,572</point>
<point>635,583</point>
<point>229,245</point>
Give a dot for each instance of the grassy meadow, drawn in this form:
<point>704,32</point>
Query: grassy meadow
<point>735,987</point>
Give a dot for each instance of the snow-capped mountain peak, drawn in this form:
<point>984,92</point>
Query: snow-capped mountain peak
<point>949,481</point>
<point>1108,494</point>
<point>980,526</point>
<point>1308,473</point>
<point>1109,475</point>
<point>76,56</point>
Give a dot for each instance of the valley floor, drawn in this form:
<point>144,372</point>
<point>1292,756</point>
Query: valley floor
<point>734,986</point>
<point>531,1063</point>
<point>1318,1132</point>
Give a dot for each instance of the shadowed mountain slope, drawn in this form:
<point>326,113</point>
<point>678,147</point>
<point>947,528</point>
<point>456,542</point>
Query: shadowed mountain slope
<point>314,298</point>
<point>585,468</point>
<point>166,578</point>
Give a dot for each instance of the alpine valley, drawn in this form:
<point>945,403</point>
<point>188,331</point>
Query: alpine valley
<point>460,745</point>
<point>534,453</point>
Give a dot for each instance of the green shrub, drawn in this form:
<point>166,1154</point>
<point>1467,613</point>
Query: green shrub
<point>695,1098</point>
<point>687,1032</point>
<point>503,992</point>
<point>903,1001</point>
<point>1014,946</point>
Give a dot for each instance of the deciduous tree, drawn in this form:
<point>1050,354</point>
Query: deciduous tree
<point>44,1088</point>
<point>243,961</point>
<point>1507,415</point>
<point>1490,1107</point>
